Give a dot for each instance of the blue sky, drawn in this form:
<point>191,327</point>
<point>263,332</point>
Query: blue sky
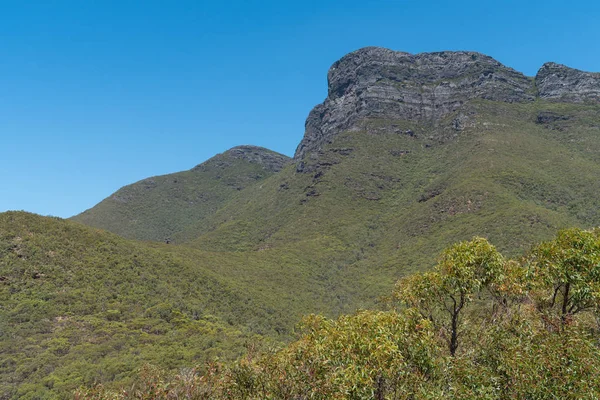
<point>98,94</point>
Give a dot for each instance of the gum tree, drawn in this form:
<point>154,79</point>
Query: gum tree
<point>566,275</point>
<point>442,295</point>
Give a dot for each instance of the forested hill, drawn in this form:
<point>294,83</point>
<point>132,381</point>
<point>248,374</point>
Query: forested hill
<point>158,207</point>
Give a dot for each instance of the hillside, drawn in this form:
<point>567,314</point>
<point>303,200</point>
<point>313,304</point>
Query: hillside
<point>410,153</point>
<point>155,208</point>
<point>534,337</point>
<point>407,155</point>
<point>80,306</point>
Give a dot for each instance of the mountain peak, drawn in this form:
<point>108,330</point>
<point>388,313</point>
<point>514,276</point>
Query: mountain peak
<point>160,207</point>
<point>374,82</point>
<point>270,160</point>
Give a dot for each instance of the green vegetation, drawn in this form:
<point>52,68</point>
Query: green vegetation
<point>158,207</point>
<point>518,343</point>
<point>81,306</point>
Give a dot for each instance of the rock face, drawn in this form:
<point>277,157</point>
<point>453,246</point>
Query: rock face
<point>269,160</point>
<point>559,82</point>
<point>379,83</point>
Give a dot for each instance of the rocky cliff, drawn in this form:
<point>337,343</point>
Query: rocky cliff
<point>559,82</point>
<point>379,83</point>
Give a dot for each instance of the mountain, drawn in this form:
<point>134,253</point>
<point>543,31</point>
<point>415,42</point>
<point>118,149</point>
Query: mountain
<point>410,153</point>
<point>158,207</point>
<point>406,155</point>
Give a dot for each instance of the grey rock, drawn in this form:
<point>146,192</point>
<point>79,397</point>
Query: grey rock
<point>561,83</point>
<point>460,122</point>
<point>378,83</point>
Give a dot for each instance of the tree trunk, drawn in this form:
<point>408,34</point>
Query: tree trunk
<point>565,303</point>
<point>454,335</point>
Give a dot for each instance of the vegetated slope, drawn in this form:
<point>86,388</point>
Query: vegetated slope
<point>411,153</point>
<point>157,207</point>
<point>408,154</point>
<point>535,336</point>
<point>391,201</point>
<point>80,306</point>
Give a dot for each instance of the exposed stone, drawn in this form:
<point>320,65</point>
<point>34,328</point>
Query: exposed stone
<point>374,196</point>
<point>398,153</point>
<point>380,83</point>
<point>423,88</point>
<point>559,82</point>
<point>343,151</point>
<point>460,122</point>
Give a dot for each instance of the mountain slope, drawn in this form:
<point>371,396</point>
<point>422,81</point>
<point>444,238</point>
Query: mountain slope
<point>423,148</point>
<point>80,306</point>
<point>410,153</point>
<point>156,208</point>
<point>401,198</point>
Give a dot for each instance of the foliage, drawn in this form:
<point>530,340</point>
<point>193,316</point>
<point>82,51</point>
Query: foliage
<point>81,306</point>
<point>568,274</point>
<point>402,354</point>
<point>463,271</point>
<point>159,207</point>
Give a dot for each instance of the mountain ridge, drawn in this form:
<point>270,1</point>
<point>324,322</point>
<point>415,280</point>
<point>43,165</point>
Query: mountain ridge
<point>560,82</point>
<point>425,87</point>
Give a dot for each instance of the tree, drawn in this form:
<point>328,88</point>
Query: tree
<point>462,272</point>
<point>565,275</point>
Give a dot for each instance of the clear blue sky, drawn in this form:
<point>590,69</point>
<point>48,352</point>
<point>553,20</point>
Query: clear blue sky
<point>98,94</point>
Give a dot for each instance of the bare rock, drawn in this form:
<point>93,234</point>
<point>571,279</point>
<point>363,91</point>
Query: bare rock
<point>561,83</point>
<point>379,83</point>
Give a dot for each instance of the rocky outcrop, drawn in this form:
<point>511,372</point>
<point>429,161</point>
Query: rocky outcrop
<point>379,83</point>
<point>559,82</point>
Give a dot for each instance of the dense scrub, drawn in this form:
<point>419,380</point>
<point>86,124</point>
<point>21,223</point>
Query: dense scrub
<point>80,306</point>
<point>477,326</point>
